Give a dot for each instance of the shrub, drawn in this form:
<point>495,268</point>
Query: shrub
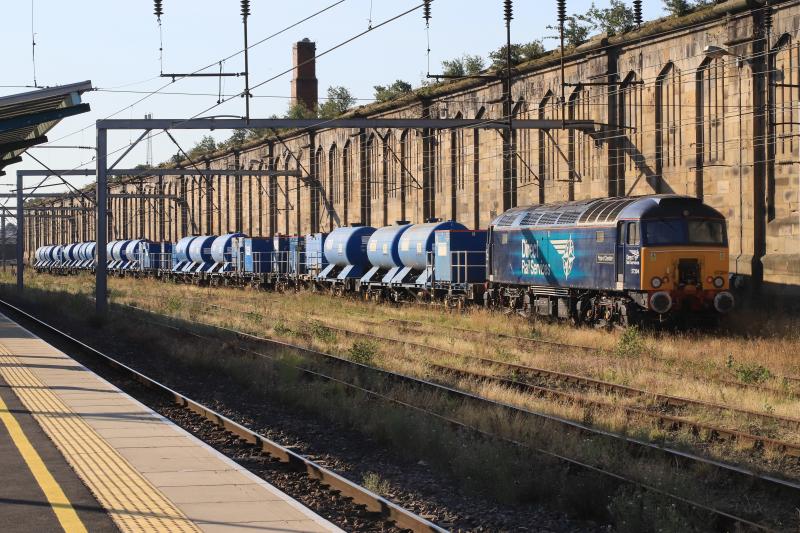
<point>631,343</point>
<point>322,333</point>
<point>373,482</point>
<point>363,352</point>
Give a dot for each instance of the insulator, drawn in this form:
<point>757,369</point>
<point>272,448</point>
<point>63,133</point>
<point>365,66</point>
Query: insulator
<point>158,10</point>
<point>426,11</point>
<point>508,10</point>
<point>637,11</point>
<point>768,20</point>
<point>562,11</point>
<point>245,8</point>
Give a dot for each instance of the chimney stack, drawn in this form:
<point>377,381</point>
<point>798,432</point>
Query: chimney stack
<point>304,76</point>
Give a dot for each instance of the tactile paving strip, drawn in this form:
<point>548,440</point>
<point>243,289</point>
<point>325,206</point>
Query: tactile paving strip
<point>131,500</point>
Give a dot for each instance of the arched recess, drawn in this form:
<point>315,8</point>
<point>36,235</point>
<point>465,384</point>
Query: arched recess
<point>668,112</point>
<point>334,185</point>
<point>476,171</point>
<point>456,167</point>
<point>709,118</point>
<point>549,159</point>
<point>317,190</point>
<point>630,154</point>
<point>389,171</point>
<point>347,179</point>
<point>272,197</point>
<point>405,173</point>
<point>782,127</point>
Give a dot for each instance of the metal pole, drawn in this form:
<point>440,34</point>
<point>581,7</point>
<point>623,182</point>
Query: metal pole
<point>3,238</point>
<point>20,240</point>
<point>101,200</point>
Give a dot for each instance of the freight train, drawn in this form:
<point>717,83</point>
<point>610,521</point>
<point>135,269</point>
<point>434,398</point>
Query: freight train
<point>603,262</point>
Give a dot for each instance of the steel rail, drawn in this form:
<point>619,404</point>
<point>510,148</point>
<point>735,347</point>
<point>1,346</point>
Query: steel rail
<point>360,495</point>
<point>603,386</point>
<point>674,453</point>
<point>455,423</point>
<point>593,349</point>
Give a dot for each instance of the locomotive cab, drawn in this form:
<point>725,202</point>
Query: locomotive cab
<point>686,260</point>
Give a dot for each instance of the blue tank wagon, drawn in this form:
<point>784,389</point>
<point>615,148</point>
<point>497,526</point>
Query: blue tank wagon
<point>346,252</point>
<point>383,251</point>
<point>199,254</point>
<point>416,248</point>
<point>222,253</point>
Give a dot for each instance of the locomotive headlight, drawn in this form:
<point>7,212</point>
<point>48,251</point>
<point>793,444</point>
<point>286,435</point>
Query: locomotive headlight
<point>719,282</point>
<point>661,302</point>
<point>655,282</point>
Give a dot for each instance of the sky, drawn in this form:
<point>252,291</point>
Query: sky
<point>115,44</point>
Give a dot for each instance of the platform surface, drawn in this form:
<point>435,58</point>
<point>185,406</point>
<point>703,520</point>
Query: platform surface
<point>78,454</point>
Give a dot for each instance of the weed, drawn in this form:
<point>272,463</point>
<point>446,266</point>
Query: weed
<point>751,373</point>
<point>322,333</point>
<point>631,343</point>
<point>363,352</point>
<point>173,304</point>
<point>280,328</point>
<point>254,317</point>
<point>373,482</point>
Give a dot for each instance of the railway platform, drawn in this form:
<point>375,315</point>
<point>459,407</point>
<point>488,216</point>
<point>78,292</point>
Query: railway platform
<point>78,454</point>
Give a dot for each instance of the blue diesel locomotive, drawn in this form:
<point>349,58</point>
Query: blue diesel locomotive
<point>609,261</point>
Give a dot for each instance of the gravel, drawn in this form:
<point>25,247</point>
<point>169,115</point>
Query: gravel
<point>412,484</point>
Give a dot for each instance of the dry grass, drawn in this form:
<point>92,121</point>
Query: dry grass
<point>301,319</point>
<point>674,364</point>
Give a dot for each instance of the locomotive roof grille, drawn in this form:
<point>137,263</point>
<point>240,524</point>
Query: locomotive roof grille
<point>507,220</point>
<point>605,211</point>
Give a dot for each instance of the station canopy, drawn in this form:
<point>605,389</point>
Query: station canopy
<point>26,118</point>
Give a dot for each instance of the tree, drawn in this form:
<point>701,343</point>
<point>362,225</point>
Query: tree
<point>466,65</point>
<point>614,20</point>
<point>519,53</point>
<point>204,146</point>
<point>398,88</point>
<point>339,101</point>
<point>236,140</point>
<point>299,110</point>
<point>678,8</point>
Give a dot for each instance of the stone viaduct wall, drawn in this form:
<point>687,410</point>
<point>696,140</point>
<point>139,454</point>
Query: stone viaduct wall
<point>670,119</point>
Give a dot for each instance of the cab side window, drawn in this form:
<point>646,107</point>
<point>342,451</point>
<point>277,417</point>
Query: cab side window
<point>633,234</point>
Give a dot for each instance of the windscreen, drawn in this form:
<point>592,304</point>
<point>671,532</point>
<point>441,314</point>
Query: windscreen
<point>706,232</point>
<point>679,231</point>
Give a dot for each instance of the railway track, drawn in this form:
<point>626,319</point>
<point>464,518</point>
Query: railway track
<point>657,402</point>
<point>739,474</point>
<point>381,507</point>
<point>677,455</point>
<point>414,326</point>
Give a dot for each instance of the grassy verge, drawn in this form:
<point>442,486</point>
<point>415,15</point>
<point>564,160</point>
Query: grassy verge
<point>505,473</point>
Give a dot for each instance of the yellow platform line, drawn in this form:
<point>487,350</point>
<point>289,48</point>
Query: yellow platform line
<point>59,502</point>
<point>130,499</point>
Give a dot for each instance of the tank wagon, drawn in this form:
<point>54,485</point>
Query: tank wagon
<point>605,262</point>
<point>383,252</point>
<point>346,253</point>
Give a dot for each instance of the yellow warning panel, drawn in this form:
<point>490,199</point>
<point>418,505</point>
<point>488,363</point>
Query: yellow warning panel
<point>131,500</point>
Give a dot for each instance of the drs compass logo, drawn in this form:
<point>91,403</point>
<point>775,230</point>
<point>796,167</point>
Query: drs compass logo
<point>566,249</point>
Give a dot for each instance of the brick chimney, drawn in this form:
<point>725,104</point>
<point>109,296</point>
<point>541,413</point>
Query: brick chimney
<point>304,76</point>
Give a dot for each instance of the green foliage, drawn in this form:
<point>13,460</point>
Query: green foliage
<point>466,65</point>
<point>678,8</point>
<point>390,92</point>
<point>519,54</point>
<point>630,343</point>
<point>299,111</point>
<point>205,146</point>
<point>616,19</point>
<point>363,352</point>
<point>749,372</point>
<point>234,142</point>
<point>281,329</point>
<point>322,333</point>
<point>339,101</point>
